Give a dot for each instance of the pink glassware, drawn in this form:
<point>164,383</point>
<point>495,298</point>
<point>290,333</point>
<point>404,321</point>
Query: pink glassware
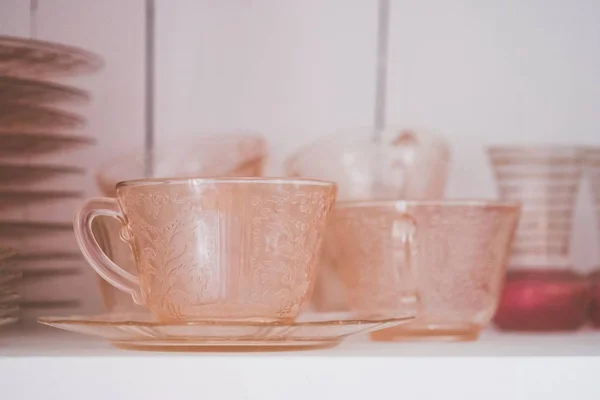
<point>592,162</point>
<point>231,155</point>
<point>240,155</point>
<point>144,332</point>
<point>218,249</point>
<point>594,312</point>
<point>403,164</point>
<point>542,292</point>
<point>453,254</point>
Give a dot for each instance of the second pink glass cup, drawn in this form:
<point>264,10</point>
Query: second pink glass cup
<point>226,249</point>
<point>452,253</point>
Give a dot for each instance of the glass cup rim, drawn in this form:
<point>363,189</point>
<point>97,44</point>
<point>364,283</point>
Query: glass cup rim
<point>401,205</point>
<point>224,180</point>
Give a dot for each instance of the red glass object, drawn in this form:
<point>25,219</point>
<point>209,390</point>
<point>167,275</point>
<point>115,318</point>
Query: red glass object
<point>543,300</point>
<point>594,313</point>
<point>541,291</point>
<point>592,161</point>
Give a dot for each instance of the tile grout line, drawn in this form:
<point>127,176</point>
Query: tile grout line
<point>149,77</point>
<point>33,10</point>
<point>381,60</point>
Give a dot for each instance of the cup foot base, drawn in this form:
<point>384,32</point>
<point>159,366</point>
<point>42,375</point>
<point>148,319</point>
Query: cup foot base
<point>223,346</point>
<point>439,335</point>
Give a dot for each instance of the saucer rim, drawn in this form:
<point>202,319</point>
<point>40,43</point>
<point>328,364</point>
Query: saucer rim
<point>85,320</point>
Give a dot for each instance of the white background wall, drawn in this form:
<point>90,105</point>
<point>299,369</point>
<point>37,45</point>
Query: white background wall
<point>478,71</point>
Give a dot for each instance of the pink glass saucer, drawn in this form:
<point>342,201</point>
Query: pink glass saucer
<point>143,332</point>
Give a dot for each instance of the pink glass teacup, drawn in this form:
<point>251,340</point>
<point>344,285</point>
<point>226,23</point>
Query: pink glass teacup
<point>454,254</point>
<point>225,155</point>
<point>404,164</point>
<point>228,249</point>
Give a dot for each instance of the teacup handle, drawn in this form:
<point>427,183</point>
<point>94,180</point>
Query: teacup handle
<point>108,270</point>
<point>404,228</point>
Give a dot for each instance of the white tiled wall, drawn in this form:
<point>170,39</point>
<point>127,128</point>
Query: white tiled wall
<point>293,69</point>
<point>14,17</point>
<point>480,72</point>
<point>498,72</point>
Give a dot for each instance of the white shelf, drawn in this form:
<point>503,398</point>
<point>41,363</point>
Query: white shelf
<point>48,342</point>
<point>51,364</point>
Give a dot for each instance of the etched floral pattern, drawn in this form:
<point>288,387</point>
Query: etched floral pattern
<point>376,252</point>
<point>458,253</point>
<point>463,254</point>
<point>286,239</point>
<point>225,250</point>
